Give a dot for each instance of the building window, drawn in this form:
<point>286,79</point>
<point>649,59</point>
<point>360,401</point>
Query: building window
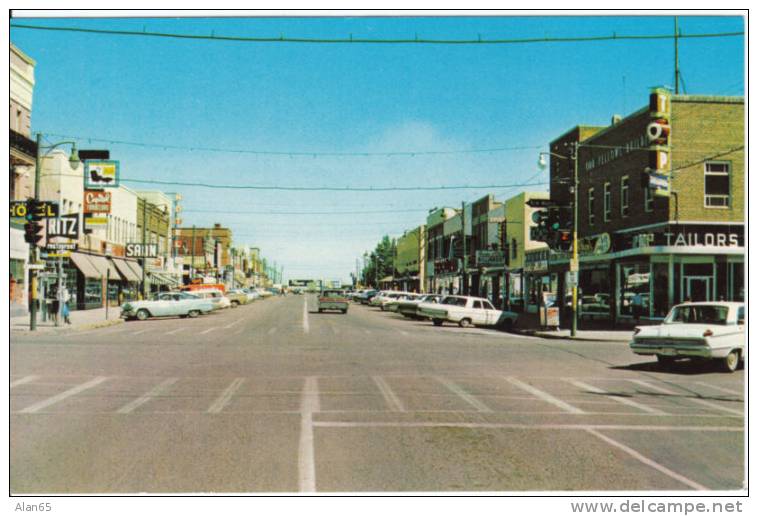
<point>717,184</point>
<point>607,202</point>
<point>514,248</point>
<point>648,199</point>
<point>591,206</point>
<point>625,196</point>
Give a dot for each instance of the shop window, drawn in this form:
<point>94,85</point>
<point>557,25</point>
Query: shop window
<point>594,301</point>
<point>591,205</point>
<point>607,202</point>
<point>634,296</point>
<point>660,278</point>
<point>93,293</point>
<point>514,248</point>
<point>648,200</point>
<point>717,184</point>
<point>625,196</point>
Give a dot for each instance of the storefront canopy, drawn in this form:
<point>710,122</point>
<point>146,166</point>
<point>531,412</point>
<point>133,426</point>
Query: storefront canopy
<point>126,271</point>
<point>136,268</point>
<point>87,268</point>
<point>104,267</point>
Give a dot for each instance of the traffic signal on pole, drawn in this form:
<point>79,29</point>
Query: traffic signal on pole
<point>540,233</point>
<point>32,209</point>
<point>563,240</point>
<point>32,232</point>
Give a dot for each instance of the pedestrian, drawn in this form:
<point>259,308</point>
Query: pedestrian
<point>637,307</point>
<point>65,299</point>
<point>55,305</point>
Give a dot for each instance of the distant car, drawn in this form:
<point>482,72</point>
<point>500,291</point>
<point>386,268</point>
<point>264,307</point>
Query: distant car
<point>167,304</point>
<point>467,311</point>
<point>712,330</point>
<point>364,296</point>
<point>332,300</point>
<point>251,293</point>
<point>378,299</point>
<point>263,292</point>
<point>237,297</point>
<point>393,302</point>
<point>409,307</point>
<point>218,299</point>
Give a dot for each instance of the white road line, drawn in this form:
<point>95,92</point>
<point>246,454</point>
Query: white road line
<point>545,396</point>
<point>208,330</point>
<point>649,462</point>
<point>62,396</point>
<point>655,388</point>
<point>403,332</point>
<point>239,331</point>
<point>465,396</point>
<point>306,454</point>
<point>722,389</point>
<point>716,406</point>
<point>155,391</point>
<point>306,326</point>
<point>522,426</point>
<point>389,396</point>
<point>119,330</point>
<point>367,332</point>
<point>272,331</point>
<point>139,332</point>
<point>226,396</point>
<point>232,324</point>
<point>22,381</point>
<point>175,331</point>
<point>619,399</point>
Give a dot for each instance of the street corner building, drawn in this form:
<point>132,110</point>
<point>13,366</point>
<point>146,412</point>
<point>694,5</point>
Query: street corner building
<point>660,203</point>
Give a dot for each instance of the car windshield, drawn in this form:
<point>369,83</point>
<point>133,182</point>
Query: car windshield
<point>452,300</point>
<point>698,314</point>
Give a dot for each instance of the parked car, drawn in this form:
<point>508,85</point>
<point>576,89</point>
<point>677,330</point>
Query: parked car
<point>263,292</point>
<point>711,330</point>
<point>332,300</point>
<point>467,311</point>
<point>218,300</point>
<point>409,307</point>
<point>237,297</point>
<point>378,299</point>
<point>365,296</point>
<point>393,302</point>
<point>166,304</point>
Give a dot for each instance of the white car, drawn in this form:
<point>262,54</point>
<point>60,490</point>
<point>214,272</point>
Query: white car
<point>467,311</point>
<point>216,297</point>
<point>409,307</point>
<point>712,330</point>
<point>263,293</point>
<point>392,299</point>
<point>379,298</point>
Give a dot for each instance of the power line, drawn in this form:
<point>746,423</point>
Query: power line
<point>328,188</point>
<point>370,212</point>
<point>352,40</point>
<point>294,153</point>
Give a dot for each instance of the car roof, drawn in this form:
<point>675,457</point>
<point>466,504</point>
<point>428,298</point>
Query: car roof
<point>711,303</point>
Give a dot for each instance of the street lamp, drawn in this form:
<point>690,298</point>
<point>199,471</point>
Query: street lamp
<point>574,264</point>
<point>74,162</point>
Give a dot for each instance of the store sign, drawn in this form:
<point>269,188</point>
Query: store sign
<point>64,226</point>
<point>58,247</point>
<point>97,201</point>
<point>46,209</point>
<point>451,265</point>
<point>686,236</point>
<point>141,250</point>
<point>93,222</point>
<point>101,174</point>
<point>490,258</point>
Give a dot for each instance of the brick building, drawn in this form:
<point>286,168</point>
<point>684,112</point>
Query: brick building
<point>646,245</point>
<point>206,251</point>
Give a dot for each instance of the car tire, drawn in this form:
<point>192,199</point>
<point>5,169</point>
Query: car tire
<point>193,313</point>
<point>730,362</point>
<point>465,323</point>
<point>320,310</point>
<point>665,361</point>
<point>508,325</point>
<point>437,322</point>
<point>344,311</point>
<point>142,314</point>
<point>235,304</point>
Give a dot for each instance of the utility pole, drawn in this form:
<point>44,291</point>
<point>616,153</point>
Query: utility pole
<point>144,242</point>
<point>574,267</point>
<point>33,247</point>
<point>192,269</point>
<point>464,277</point>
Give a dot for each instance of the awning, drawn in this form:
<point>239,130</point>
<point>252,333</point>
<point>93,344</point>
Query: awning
<point>103,266</point>
<point>86,267</point>
<point>136,268</point>
<point>126,271</point>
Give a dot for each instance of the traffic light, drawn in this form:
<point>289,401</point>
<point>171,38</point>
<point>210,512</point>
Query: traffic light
<point>32,209</point>
<point>541,232</point>
<point>32,232</point>
<point>563,240</point>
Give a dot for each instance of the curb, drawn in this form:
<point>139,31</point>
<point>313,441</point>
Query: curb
<point>70,329</point>
<point>568,337</point>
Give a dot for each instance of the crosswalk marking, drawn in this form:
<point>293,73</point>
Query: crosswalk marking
<point>226,396</point>
<point>716,406</point>
<point>545,396</point>
<point>155,391</point>
<point>389,396</point>
<point>722,389</point>
<point>619,399</point>
<point>63,395</point>
<point>468,398</point>
<point>309,404</point>
<point>22,381</point>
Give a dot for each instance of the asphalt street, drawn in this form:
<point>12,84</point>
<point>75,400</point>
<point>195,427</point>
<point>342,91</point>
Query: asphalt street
<point>275,397</point>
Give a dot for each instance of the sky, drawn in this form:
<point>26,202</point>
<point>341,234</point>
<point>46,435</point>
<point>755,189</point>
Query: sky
<point>306,102</point>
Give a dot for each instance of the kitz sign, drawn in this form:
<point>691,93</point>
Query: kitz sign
<point>141,250</point>
<point>64,226</point>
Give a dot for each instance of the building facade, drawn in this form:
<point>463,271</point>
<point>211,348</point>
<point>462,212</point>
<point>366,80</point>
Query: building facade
<point>206,252</point>
<point>410,260</point>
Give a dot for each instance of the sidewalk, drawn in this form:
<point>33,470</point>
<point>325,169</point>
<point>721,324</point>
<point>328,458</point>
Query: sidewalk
<point>583,335</point>
<point>80,320</point>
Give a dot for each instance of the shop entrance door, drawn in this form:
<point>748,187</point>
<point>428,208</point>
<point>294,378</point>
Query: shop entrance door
<point>698,288</point>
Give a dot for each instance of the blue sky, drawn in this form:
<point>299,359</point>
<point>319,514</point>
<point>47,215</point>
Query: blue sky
<point>351,98</point>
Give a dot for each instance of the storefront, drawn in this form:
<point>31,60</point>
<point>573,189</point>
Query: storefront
<point>447,279</point>
<point>641,274</point>
<point>19,254</point>
<point>535,279</point>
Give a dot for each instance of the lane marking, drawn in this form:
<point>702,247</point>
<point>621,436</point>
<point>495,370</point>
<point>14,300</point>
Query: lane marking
<point>402,332</point>
<point>239,331</point>
<point>272,331</point>
<point>306,326</point>
<point>619,399</point>
<point>306,455</point>
<point>155,391</point>
<point>722,389</point>
<point>656,388</point>
<point>367,332</point>
<point>465,396</point>
<point>119,330</point>
<point>139,332</point>
<point>175,331</point>
<point>232,324</point>
<point>22,381</point>
<point>392,400</point>
<point>63,395</point>
<point>208,330</point>
<point>226,396</point>
<point>545,396</point>
<point>716,406</point>
<point>649,462</point>
<point>522,426</point>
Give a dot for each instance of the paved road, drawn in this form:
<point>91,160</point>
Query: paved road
<point>273,397</point>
